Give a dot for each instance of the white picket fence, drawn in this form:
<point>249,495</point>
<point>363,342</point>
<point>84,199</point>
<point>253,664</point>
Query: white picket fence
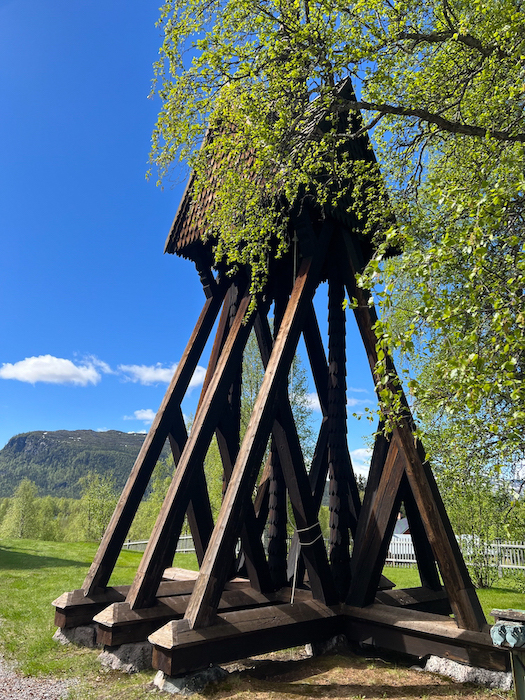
<point>184,545</point>
<point>503,555</point>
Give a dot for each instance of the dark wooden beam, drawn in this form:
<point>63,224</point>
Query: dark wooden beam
<point>200,518</point>
<point>461,592</point>
<point>177,648</point>
<point>426,561</point>
<point>462,595</point>
<point>340,469</point>
<point>169,522</point>
<point>374,535</point>
<point>420,634</point>
<point>203,604</point>
<point>306,513</point>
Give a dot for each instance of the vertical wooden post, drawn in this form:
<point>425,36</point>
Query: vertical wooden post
<point>277,515</point>
<point>337,441</point>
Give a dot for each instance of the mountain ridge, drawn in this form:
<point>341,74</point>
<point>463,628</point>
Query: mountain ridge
<point>56,460</point>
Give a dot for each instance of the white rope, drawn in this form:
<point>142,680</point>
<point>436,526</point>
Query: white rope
<point>295,572</point>
<point>299,545</point>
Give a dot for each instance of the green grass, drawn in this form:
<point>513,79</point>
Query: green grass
<point>34,573</point>
<point>498,596</point>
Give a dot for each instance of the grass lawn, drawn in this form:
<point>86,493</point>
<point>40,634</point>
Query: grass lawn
<point>495,597</point>
<point>34,573</point>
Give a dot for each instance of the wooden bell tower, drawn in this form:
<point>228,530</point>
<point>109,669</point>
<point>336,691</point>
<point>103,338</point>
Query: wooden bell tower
<point>240,605</point>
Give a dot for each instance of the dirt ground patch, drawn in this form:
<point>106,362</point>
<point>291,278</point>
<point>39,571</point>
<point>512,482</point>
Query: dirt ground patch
<point>338,676</point>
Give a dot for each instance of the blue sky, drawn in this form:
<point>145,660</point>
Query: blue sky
<point>94,316</point>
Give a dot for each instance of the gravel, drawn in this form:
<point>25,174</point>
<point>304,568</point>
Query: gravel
<point>15,687</point>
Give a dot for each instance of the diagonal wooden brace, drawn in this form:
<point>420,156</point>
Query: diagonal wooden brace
<point>169,522</point>
<point>208,588</point>
<point>128,503</point>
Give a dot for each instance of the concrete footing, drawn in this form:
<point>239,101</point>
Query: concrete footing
<point>83,636</point>
<point>469,674</point>
<point>190,684</point>
<point>128,658</point>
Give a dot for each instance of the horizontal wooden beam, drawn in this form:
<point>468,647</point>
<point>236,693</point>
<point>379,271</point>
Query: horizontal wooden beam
<point>119,624</point>
<point>178,649</point>
<point>420,634</point>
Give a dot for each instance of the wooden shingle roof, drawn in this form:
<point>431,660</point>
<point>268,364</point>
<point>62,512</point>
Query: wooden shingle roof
<point>189,225</point>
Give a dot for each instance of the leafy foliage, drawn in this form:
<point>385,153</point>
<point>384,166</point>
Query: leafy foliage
<point>441,86</point>
<point>442,83</point>
<point>99,498</point>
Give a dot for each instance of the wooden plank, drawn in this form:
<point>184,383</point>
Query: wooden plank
<point>210,583</point>
<point>463,598</point>
<point>438,636</point>
<point>286,441</point>
<point>175,573</point>
<point>426,562</point>
<point>169,522</point>
<point>399,640</point>
<point>374,534</point>
<point>119,624</point>
<point>420,598</point>
<point>74,608</point>
<point>200,518</point>
<point>128,503</point>
<point>178,650</point>
<point>232,624</point>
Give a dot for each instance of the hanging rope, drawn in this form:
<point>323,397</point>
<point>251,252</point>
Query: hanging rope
<point>299,545</point>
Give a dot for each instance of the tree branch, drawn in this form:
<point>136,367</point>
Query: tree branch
<point>444,124</point>
<point>440,37</point>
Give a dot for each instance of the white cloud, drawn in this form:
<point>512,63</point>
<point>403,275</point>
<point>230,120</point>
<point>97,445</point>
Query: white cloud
<point>52,370</point>
<point>312,401</point>
<point>356,402</point>
<point>144,414</point>
<point>361,459</point>
<point>198,377</point>
<point>154,374</point>
<point>100,364</point>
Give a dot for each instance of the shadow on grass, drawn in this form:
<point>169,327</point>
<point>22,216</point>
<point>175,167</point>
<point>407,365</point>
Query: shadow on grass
<point>381,691</point>
<point>13,559</point>
<point>342,677</point>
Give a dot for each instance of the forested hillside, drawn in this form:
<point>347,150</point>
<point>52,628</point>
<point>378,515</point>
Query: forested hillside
<point>55,461</point>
